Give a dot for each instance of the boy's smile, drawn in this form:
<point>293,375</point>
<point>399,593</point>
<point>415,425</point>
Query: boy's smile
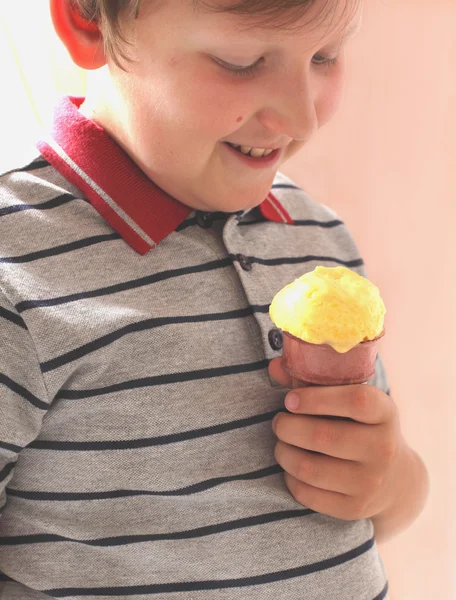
<point>179,100</point>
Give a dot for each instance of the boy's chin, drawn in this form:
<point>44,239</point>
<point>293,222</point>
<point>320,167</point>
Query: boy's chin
<point>246,202</point>
<point>230,208</point>
<point>232,197</point>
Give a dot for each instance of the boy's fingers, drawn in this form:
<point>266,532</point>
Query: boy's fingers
<point>362,403</point>
<point>278,374</point>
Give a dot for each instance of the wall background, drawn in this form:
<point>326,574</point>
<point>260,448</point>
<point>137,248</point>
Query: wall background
<point>387,165</point>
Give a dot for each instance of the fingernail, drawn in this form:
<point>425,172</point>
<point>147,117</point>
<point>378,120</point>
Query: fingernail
<point>292,401</point>
<point>274,420</point>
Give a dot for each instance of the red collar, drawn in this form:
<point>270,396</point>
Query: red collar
<point>141,212</point>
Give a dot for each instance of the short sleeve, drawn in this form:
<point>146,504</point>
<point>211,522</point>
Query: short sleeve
<point>23,397</point>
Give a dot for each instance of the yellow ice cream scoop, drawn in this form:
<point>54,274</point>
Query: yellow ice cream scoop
<point>330,305</point>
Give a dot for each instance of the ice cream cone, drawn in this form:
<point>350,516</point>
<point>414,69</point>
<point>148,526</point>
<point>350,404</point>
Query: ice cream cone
<point>320,364</point>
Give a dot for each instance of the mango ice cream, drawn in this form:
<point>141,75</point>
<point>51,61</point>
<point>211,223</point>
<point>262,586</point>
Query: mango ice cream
<point>331,318</point>
<point>334,306</point>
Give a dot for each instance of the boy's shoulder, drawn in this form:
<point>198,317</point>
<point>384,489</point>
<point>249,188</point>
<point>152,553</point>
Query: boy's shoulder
<point>326,232</point>
<point>21,184</point>
<point>27,179</point>
<point>26,182</point>
<point>298,202</point>
<point>29,188</point>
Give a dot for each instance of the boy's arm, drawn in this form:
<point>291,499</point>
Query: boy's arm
<point>413,477</point>
<point>411,488</point>
<point>23,397</point>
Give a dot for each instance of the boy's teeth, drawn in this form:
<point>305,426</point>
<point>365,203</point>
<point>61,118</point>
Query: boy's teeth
<point>255,152</point>
<point>246,149</point>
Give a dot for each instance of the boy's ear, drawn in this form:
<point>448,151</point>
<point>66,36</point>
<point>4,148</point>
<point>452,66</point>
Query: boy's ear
<point>83,39</point>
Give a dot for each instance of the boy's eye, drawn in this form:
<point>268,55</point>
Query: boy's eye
<point>239,70</point>
<point>325,61</point>
<point>318,60</point>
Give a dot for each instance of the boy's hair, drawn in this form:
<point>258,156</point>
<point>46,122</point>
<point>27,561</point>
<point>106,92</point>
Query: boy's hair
<point>267,14</point>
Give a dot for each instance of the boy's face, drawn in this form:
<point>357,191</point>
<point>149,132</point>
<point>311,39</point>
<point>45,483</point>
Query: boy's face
<point>176,105</point>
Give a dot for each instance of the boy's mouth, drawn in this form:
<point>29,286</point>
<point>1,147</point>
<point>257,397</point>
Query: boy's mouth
<point>266,161</point>
<point>248,151</point>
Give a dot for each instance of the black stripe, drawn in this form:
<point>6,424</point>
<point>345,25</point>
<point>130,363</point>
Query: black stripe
<point>299,223</point>
<point>21,391</point>
<point>325,224</point>
<point>10,316</point>
<point>109,338</point>
<point>53,203</point>
<point>164,380</point>
<point>283,186</point>
<point>107,495</point>
<point>128,285</point>
<point>191,586</point>
<point>254,222</point>
<point>160,440</point>
<point>217,264</point>
<point>292,260</point>
<point>4,577</point>
<point>10,447</point>
<point>90,241</point>
<point>7,470</point>
<point>382,594</point>
<point>34,166</point>
<point>122,540</point>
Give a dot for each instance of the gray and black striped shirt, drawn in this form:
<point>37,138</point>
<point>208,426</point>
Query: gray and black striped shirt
<point>136,449</point>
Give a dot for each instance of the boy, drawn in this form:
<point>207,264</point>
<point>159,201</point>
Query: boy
<point>139,254</point>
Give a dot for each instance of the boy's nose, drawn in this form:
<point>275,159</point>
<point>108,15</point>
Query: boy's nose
<point>291,111</point>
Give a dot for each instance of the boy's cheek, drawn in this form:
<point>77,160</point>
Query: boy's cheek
<point>329,102</point>
<point>187,102</point>
<point>215,95</point>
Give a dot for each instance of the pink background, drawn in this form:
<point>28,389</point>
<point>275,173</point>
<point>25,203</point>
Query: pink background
<point>387,165</point>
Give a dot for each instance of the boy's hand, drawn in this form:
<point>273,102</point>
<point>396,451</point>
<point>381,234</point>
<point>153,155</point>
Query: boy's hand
<point>347,468</point>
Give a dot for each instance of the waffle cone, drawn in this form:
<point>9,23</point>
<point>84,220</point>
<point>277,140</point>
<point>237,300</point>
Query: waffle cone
<point>320,364</point>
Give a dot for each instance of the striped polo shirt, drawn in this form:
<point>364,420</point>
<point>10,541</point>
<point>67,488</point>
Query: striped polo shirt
<point>136,449</point>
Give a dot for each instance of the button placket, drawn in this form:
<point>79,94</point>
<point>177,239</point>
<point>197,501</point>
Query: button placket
<point>233,238</point>
<point>275,338</point>
<point>244,262</point>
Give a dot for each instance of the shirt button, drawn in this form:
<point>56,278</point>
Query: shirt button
<point>245,262</point>
<point>204,219</point>
<point>275,339</point>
